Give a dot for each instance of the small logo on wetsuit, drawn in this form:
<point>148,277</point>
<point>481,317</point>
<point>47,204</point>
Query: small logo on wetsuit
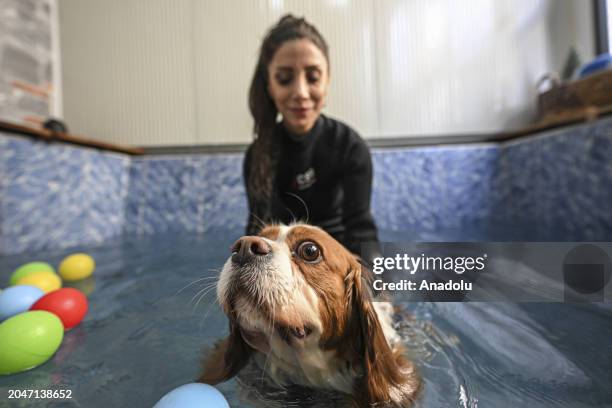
<point>303,181</point>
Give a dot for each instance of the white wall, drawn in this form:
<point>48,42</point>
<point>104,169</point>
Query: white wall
<point>128,70</point>
<point>155,72</point>
<point>56,105</point>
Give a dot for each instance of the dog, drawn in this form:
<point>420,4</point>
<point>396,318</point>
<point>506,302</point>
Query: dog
<point>300,305</point>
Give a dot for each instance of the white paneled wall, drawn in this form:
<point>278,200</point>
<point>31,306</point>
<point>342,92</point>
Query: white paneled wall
<point>459,66</point>
<point>128,70</point>
<point>227,35</point>
<point>160,72</point>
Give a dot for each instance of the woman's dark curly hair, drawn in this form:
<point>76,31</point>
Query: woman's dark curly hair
<point>264,151</point>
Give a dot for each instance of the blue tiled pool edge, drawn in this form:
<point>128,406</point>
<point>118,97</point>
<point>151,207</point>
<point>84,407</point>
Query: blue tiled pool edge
<point>59,196</point>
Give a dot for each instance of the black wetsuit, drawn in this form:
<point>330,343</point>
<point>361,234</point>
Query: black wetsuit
<point>330,170</point>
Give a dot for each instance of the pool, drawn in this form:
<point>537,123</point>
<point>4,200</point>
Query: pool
<point>152,312</point>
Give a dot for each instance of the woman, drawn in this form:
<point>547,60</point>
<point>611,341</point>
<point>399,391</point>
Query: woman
<point>302,164</point>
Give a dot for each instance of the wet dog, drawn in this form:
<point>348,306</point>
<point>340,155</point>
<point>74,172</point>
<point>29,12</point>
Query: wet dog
<point>300,305</point>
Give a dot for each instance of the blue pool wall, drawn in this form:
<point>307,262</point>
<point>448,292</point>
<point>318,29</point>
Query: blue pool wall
<point>59,196</point>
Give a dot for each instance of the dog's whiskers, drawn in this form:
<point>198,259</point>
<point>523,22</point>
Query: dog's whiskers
<point>208,311</point>
<point>303,203</point>
<point>261,222</point>
<point>202,293</point>
<point>194,282</point>
<point>292,215</point>
<point>195,306</point>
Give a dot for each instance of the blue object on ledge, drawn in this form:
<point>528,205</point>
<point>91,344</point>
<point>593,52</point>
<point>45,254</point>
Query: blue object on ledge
<point>600,63</point>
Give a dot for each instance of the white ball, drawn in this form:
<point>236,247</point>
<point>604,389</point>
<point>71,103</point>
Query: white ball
<point>194,395</point>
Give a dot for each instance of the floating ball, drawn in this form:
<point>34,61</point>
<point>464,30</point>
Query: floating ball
<point>28,340</point>
<point>194,395</point>
<point>68,304</point>
<point>18,299</point>
<point>47,281</point>
<point>76,267</point>
<point>27,269</point>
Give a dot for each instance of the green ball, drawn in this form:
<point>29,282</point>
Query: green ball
<point>27,269</point>
<point>28,340</point>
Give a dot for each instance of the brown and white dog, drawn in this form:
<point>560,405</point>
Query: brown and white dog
<point>299,303</point>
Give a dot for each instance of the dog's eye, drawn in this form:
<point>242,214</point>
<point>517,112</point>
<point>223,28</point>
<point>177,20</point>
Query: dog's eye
<point>309,252</point>
<point>288,333</point>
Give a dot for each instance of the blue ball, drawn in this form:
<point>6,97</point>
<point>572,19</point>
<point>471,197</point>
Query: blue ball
<point>18,299</point>
<point>194,395</point>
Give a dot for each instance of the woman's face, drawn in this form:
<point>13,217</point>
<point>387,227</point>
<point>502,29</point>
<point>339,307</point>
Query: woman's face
<point>298,78</point>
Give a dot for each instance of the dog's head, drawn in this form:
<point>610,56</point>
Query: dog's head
<point>298,296</point>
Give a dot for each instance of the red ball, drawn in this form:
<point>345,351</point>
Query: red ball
<point>69,304</point>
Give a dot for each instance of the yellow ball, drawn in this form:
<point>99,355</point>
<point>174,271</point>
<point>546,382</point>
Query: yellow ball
<point>76,267</point>
<point>45,281</point>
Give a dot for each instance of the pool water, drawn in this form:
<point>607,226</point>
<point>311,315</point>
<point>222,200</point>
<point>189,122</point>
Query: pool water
<point>153,313</point>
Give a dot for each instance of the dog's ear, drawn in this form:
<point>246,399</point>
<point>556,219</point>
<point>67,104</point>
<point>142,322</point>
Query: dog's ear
<point>383,371</point>
<point>229,356</point>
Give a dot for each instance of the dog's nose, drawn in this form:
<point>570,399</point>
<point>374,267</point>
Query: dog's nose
<point>246,249</point>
